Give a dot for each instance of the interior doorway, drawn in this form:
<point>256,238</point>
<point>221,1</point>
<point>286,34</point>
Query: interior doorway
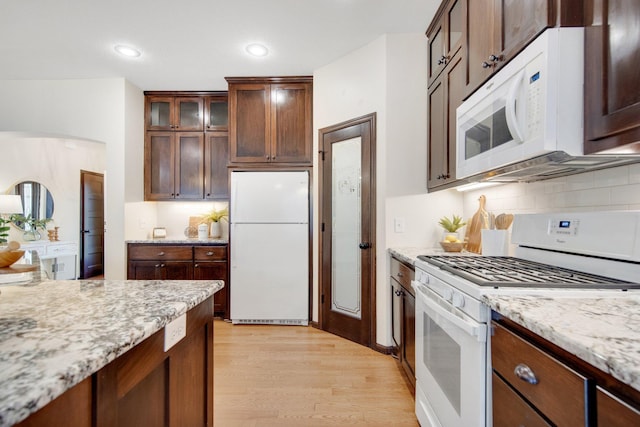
<point>347,216</point>
<point>91,224</point>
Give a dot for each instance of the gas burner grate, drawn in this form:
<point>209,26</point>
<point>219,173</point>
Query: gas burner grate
<point>516,272</point>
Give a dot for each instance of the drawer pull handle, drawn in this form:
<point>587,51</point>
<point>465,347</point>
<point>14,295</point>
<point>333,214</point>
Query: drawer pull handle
<point>161,254</point>
<point>525,373</point>
<point>400,274</point>
<point>209,253</point>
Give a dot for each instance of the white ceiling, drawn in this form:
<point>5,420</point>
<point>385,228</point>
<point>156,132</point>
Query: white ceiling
<point>192,44</point>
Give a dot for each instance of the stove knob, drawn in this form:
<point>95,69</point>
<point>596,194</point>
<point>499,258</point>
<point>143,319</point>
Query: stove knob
<point>458,300</point>
<point>447,294</point>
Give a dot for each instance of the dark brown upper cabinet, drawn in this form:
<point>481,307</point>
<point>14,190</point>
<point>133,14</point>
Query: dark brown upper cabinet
<point>612,87</point>
<point>174,167</point>
<point>445,37</point>
<point>270,120</point>
<point>496,30</point>
<point>174,113</point>
<point>187,160</point>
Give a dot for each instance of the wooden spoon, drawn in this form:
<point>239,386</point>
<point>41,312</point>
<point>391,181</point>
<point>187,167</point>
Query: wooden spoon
<point>503,221</point>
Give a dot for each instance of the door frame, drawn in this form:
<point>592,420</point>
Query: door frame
<point>369,119</point>
<point>81,261</point>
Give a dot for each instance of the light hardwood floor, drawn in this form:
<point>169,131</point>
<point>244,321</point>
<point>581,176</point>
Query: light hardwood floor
<point>301,376</point>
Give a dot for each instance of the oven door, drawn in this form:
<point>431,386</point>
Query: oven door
<point>451,355</point>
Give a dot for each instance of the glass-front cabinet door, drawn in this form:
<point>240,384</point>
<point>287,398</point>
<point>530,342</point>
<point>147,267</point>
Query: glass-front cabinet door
<point>216,113</point>
<point>174,113</point>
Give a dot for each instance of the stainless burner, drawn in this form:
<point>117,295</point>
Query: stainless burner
<point>516,272</point>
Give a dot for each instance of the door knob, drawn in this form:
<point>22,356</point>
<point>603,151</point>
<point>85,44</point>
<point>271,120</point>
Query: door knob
<point>86,231</point>
<point>364,245</point>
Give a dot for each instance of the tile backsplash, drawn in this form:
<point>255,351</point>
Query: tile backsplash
<point>606,189</point>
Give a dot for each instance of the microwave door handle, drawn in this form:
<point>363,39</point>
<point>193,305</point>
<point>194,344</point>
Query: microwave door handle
<point>510,108</point>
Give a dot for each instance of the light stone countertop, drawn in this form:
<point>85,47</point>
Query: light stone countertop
<point>410,254</point>
<point>54,334</point>
<point>601,328</point>
<point>604,331</point>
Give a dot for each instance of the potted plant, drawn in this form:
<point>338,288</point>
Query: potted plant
<point>30,225</point>
<point>451,240</point>
<point>213,219</point>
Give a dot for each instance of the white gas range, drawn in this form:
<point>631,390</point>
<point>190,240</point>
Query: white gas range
<point>573,253</point>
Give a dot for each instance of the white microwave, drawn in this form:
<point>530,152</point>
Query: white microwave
<point>531,107</point>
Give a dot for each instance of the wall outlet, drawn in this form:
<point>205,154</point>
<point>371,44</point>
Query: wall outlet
<point>398,225</point>
<point>175,331</point>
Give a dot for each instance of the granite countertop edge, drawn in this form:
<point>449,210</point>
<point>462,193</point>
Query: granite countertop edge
<point>47,349</point>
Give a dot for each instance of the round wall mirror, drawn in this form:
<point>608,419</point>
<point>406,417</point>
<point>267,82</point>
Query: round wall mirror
<point>37,201</point>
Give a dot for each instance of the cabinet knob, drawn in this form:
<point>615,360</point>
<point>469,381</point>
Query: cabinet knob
<point>266,157</point>
<point>196,266</point>
<point>485,64</point>
<point>525,373</point>
<point>400,274</point>
<point>161,254</point>
<point>364,245</point>
<point>157,266</point>
<point>209,253</point>
<point>208,194</point>
<point>442,60</point>
<point>398,293</point>
<point>495,58</point>
<point>177,194</point>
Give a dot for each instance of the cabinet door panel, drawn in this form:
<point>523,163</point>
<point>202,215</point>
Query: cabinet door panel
<point>409,333</point>
<point>511,410</point>
<point>159,166</point>
<point>145,270</point>
<point>159,113</point>
<point>216,113</point>
<point>189,166</point>
<point>612,87</point>
<point>215,271</point>
<point>249,118</point>
<point>290,130</point>
<point>178,270</point>
<point>481,40</point>
<point>522,21</point>
<point>436,161</point>
<point>216,159</point>
<point>189,116</point>
<point>436,53</point>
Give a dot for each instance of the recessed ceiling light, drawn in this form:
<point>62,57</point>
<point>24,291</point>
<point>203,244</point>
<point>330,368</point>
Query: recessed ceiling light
<point>257,49</point>
<point>127,51</point>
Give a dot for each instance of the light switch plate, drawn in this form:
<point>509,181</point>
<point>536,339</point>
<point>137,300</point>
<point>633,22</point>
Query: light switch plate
<point>175,331</point>
<point>398,225</point>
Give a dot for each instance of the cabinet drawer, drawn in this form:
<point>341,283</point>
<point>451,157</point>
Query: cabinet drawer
<point>157,252</point>
<point>210,253</point>
<point>559,392</point>
<point>402,273</point>
<point>510,410</point>
<point>613,412</point>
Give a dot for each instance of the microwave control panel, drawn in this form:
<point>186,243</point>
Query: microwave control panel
<point>534,77</point>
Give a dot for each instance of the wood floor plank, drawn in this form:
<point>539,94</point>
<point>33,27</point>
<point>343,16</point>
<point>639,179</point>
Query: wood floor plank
<point>286,376</point>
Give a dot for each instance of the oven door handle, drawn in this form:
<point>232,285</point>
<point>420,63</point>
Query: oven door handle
<point>470,327</point>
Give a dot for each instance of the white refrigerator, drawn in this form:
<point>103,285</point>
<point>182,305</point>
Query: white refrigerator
<point>269,240</point>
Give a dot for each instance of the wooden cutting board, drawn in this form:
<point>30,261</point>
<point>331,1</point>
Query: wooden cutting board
<point>480,220</point>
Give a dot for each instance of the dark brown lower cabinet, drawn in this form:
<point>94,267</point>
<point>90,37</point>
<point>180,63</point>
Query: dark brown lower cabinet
<point>535,383</point>
<point>404,318</point>
<point>145,386</point>
<point>181,262</point>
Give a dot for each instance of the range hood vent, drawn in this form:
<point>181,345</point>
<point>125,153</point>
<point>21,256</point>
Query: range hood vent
<point>552,165</point>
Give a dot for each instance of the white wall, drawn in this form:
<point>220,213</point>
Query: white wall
<point>94,109</point>
<point>55,163</point>
<point>388,77</point>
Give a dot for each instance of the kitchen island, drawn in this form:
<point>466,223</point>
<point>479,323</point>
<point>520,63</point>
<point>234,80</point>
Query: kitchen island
<point>102,349</point>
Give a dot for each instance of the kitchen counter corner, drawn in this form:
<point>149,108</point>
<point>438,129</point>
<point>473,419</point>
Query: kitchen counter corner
<point>54,334</point>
